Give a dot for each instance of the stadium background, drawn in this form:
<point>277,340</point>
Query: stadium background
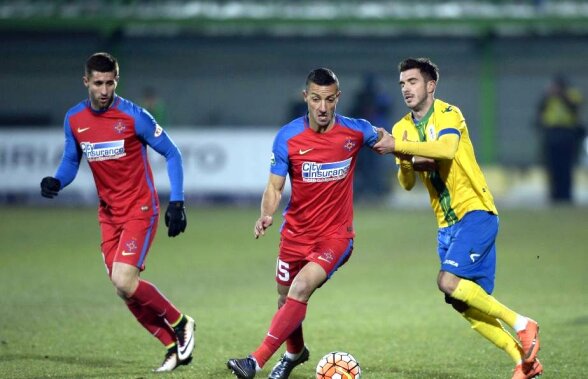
<point>240,66</point>
<point>229,72</point>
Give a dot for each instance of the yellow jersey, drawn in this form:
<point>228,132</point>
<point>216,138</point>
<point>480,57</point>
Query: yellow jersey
<point>458,185</point>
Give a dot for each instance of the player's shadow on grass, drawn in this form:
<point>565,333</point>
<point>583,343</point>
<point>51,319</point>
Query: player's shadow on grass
<point>421,373</point>
<point>72,360</point>
<point>111,366</point>
<point>580,320</point>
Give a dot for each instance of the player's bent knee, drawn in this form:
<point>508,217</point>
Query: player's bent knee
<point>125,279</point>
<point>443,287</point>
<point>301,290</point>
<point>123,291</point>
<point>447,282</point>
<point>125,287</point>
<point>446,290</point>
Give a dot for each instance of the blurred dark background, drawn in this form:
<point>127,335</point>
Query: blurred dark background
<point>206,65</point>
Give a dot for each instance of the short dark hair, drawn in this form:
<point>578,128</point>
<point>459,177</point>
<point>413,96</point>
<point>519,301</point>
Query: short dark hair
<point>101,62</point>
<point>428,69</point>
<point>322,77</point>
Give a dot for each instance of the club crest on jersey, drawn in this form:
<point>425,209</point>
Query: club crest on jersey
<point>131,245</point>
<point>119,127</point>
<point>158,130</point>
<point>349,144</point>
<point>101,151</point>
<point>327,256</point>
<point>431,133</point>
<point>325,172</point>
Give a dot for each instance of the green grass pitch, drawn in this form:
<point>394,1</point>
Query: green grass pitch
<point>60,318</point>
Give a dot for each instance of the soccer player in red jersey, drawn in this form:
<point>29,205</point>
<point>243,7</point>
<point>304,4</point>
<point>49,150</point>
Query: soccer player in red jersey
<point>318,152</point>
<point>113,133</point>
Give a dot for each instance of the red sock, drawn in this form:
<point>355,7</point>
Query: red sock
<point>154,325</point>
<point>287,319</point>
<point>295,342</point>
<point>148,296</point>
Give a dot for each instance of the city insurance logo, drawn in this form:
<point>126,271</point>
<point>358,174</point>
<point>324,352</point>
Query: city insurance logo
<point>325,172</point>
<point>102,151</point>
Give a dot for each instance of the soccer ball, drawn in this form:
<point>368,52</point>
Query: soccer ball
<point>338,365</point>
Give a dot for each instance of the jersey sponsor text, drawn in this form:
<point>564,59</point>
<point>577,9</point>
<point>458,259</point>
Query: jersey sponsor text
<point>325,172</point>
<point>102,151</point>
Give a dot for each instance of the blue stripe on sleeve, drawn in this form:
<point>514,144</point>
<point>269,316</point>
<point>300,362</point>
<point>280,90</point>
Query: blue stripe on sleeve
<point>145,127</point>
<point>449,131</point>
<point>70,161</point>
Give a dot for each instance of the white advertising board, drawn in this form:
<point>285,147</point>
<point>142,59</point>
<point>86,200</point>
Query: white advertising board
<point>223,161</point>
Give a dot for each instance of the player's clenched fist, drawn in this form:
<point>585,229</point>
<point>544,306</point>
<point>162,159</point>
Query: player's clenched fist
<point>386,143</point>
<point>50,187</point>
<point>262,224</point>
<point>175,218</point>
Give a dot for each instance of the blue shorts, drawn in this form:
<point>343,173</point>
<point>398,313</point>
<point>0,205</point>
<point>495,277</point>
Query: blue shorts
<point>468,248</point>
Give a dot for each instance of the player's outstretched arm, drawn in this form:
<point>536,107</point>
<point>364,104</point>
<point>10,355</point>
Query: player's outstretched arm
<point>443,148</point>
<point>269,204</point>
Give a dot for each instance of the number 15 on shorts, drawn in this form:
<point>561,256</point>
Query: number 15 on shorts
<point>282,271</point>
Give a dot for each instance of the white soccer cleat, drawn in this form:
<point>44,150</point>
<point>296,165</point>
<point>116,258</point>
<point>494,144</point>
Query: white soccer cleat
<point>185,334</point>
<point>171,362</point>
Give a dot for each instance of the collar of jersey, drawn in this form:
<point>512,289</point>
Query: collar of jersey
<point>420,125</point>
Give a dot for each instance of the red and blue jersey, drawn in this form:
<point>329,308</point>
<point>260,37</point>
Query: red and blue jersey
<point>320,166</point>
<point>114,142</point>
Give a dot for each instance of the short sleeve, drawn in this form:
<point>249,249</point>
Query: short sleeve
<point>451,122</point>
<point>279,161</point>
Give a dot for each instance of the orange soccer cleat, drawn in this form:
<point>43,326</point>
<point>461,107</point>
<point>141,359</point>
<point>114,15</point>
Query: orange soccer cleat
<point>529,338</point>
<point>528,370</point>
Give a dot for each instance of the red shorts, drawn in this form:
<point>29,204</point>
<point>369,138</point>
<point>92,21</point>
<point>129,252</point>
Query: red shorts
<point>330,254</point>
<point>127,242</point>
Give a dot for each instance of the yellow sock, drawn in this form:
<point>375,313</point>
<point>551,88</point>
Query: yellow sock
<point>491,329</point>
<point>474,296</point>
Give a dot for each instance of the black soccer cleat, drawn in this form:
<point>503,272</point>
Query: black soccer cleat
<point>285,365</point>
<point>243,368</point>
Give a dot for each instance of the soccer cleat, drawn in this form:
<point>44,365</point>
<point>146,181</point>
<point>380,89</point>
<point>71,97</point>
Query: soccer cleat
<point>285,365</point>
<point>529,338</point>
<point>171,361</point>
<point>243,368</point>
<point>185,331</point>
<point>528,370</point>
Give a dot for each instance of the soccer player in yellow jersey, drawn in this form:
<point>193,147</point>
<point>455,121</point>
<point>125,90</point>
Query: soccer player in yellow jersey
<point>433,141</point>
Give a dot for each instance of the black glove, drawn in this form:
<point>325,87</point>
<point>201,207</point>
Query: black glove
<point>175,218</point>
<point>50,186</point>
